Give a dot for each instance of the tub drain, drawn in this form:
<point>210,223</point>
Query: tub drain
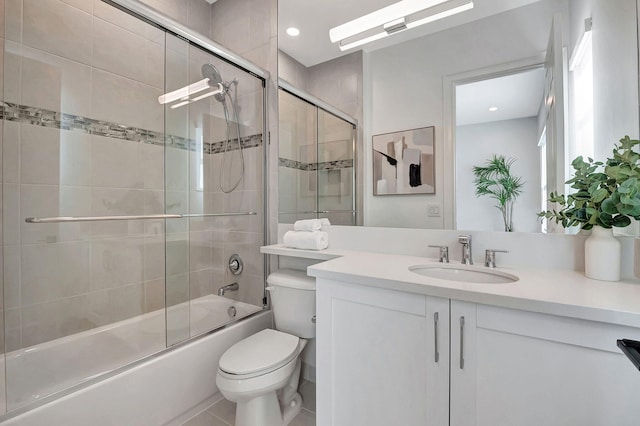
<point>232,311</point>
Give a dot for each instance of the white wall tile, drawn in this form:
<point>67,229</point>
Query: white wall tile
<point>117,17</point>
<point>75,158</point>
<point>126,302</point>
<point>125,101</point>
<point>54,83</point>
<point>39,155</point>
<point>11,277</point>
<point>57,28</point>
<point>13,20</point>
<point>116,262</point>
<point>54,271</point>
<point>118,50</point>
<point>11,152</point>
<point>12,72</point>
<point>115,163</point>
<point>11,218</point>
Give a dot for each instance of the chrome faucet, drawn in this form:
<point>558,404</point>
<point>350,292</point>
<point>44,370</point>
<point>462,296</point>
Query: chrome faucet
<point>467,257</point>
<point>226,288</point>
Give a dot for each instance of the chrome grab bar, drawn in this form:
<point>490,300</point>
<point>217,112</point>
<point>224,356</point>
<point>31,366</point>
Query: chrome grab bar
<point>63,219</point>
<point>320,211</point>
<point>218,214</point>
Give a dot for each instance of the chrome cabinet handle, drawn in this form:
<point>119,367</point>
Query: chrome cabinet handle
<point>435,336</point>
<point>461,343</point>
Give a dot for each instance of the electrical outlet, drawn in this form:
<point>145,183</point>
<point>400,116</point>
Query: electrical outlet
<point>433,210</point>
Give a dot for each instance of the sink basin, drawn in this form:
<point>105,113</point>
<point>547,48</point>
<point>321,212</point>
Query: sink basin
<point>463,273</point>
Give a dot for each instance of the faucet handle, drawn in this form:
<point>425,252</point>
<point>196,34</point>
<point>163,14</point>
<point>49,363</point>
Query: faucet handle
<point>490,257</point>
<point>444,253</point>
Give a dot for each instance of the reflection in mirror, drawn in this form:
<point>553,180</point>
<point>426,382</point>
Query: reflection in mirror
<point>499,116</point>
<point>316,162</point>
<point>409,81</point>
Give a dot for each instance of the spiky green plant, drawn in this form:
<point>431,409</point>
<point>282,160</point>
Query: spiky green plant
<point>495,180</point>
<point>606,198</point>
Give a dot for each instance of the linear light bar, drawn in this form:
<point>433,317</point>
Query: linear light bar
<point>186,101</point>
<point>184,92</point>
<point>395,18</point>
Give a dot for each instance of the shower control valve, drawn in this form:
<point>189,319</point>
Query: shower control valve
<point>235,264</point>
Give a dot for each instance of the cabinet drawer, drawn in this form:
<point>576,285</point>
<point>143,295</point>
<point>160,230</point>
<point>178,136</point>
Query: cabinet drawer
<point>388,299</point>
<point>589,334</point>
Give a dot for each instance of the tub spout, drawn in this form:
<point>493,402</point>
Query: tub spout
<point>226,288</point>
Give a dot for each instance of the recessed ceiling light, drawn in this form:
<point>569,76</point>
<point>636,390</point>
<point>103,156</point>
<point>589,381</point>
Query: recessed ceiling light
<point>293,31</point>
<point>493,109</point>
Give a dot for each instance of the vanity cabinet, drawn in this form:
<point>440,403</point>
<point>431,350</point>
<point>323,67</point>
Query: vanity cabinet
<point>523,368</point>
<point>383,357</point>
<point>377,363</point>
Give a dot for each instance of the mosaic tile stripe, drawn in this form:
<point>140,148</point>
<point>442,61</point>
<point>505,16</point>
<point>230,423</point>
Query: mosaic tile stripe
<point>327,165</point>
<point>58,120</point>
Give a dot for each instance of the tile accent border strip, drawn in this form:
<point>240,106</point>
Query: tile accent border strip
<point>58,120</point>
<point>327,165</point>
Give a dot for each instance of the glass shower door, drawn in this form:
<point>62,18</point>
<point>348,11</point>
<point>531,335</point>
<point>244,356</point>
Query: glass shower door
<point>297,171</point>
<point>214,179</point>
<point>83,136</point>
<point>336,175</point>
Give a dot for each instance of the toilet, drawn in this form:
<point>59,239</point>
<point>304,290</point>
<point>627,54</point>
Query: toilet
<point>261,373</point>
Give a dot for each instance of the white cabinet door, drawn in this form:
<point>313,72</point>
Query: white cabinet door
<point>376,359</point>
<point>529,369</point>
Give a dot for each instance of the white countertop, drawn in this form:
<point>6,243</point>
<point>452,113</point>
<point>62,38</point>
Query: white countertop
<point>558,292</point>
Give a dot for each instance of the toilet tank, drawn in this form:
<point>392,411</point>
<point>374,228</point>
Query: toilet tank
<point>293,300</point>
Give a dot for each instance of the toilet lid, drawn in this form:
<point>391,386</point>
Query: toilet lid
<point>265,350</point>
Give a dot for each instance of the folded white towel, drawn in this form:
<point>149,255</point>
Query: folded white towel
<point>325,222</point>
<point>307,225</point>
<point>316,240</point>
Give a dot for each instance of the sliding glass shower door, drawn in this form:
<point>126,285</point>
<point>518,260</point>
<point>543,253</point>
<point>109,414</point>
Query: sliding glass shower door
<point>316,163</point>
<point>120,207</point>
<point>214,179</point>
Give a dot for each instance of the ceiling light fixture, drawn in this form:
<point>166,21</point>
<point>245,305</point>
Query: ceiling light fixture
<point>293,31</point>
<point>392,19</point>
<point>581,46</point>
<point>493,109</point>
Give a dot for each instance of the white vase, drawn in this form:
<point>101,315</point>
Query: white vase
<point>602,255</point>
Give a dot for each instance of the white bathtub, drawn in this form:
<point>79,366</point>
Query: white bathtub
<point>41,370</point>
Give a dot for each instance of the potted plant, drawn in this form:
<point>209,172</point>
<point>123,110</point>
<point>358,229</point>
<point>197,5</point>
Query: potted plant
<point>496,181</point>
<point>607,195</point>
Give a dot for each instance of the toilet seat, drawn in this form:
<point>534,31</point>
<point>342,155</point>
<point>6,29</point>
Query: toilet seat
<point>259,354</point>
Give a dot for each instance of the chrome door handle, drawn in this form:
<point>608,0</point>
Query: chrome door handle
<point>461,343</point>
<point>435,336</point>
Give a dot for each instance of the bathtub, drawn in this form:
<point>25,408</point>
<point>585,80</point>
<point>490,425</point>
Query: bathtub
<point>35,372</point>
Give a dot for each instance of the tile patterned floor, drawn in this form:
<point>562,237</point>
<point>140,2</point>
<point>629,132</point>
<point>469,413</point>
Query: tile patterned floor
<point>223,413</point>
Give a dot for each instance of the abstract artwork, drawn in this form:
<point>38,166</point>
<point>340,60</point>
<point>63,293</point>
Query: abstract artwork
<point>403,162</point>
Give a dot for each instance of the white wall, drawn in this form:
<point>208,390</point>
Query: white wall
<point>475,144</point>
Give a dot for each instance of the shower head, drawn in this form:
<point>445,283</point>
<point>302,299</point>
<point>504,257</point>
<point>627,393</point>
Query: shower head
<point>211,72</point>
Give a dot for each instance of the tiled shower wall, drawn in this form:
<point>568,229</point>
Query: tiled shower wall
<point>90,61</point>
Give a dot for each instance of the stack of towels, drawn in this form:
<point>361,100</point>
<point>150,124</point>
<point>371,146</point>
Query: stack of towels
<point>308,234</point>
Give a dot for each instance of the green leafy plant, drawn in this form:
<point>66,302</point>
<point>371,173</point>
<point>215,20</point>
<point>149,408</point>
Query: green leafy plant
<point>605,196</point>
<point>495,180</point>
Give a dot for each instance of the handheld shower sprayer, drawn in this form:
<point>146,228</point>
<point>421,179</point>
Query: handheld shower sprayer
<point>211,72</point>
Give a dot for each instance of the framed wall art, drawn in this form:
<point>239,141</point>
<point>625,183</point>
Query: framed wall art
<point>404,162</point>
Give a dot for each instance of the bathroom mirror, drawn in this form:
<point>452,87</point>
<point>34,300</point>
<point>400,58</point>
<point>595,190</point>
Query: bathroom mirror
<point>411,80</point>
